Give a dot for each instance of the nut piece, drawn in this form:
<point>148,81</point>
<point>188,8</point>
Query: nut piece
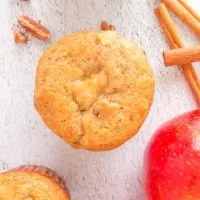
<point>112,27</point>
<point>34,27</point>
<point>104,26</point>
<point>107,27</point>
<point>19,37</point>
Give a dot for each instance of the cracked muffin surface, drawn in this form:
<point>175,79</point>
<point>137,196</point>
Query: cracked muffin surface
<point>94,89</point>
<point>32,183</point>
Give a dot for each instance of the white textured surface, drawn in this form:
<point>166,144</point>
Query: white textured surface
<point>115,175</point>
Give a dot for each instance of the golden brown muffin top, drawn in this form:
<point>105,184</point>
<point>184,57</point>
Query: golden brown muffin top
<point>94,89</point>
<point>30,185</point>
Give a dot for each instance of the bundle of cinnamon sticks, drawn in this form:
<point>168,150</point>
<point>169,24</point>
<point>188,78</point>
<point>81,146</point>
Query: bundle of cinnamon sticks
<point>182,9</point>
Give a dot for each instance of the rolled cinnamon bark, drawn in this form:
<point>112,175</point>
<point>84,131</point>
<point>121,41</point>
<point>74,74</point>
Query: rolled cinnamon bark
<point>182,10</point>
<point>175,41</point>
<point>181,56</point>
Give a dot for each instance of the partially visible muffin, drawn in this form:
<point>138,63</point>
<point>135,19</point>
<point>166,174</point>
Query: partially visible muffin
<point>94,89</point>
<point>32,183</point>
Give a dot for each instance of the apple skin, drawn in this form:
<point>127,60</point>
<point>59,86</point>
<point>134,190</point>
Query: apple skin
<point>172,160</point>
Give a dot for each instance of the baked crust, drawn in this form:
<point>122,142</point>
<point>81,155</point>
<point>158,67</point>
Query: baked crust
<point>32,183</point>
<point>94,89</point>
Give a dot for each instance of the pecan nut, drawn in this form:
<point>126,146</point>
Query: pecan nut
<point>112,27</point>
<point>34,27</point>
<point>107,27</point>
<point>19,37</point>
<point>104,26</point>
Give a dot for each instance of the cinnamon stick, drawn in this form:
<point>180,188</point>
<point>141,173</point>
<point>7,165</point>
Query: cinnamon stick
<point>194,74</point>
<point>175,41</point>
<point>184,12</point>
<point>181,56</point>
<point>190,9</point>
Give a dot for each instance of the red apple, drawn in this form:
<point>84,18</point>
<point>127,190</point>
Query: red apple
<point>172,160</point>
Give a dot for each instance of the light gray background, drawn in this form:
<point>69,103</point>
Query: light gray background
<point>114,175</point>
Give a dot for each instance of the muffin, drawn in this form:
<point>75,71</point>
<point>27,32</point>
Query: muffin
<point>32,183</point>
<point>94,89</point>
